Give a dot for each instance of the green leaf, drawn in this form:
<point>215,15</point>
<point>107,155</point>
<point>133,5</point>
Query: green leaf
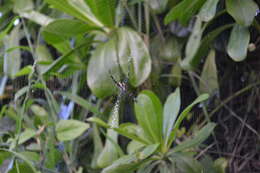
<point>37,17</point>
<point>184,113</point>
<point>82,102</point>
<point>209,76</point>
<point>43,56</point>
<point>133,58</point>
<point>8,28</point>
<point>67,27</point>
<point>128,130</point>
<point>170,50</point>
<point>98,146</point>
<point>176,75</point>
<point>184,11</point>
<point>238,43</point>
<point>243,11</point>
<point>98,121</point>
<point>70,129</point>
<point>26,135</point>
<point>110,152</point>
<point>12,59</point>
<point>220,165</point>
<point>25,71</point>
<point>193,44</point>
<point>188,64</point>
<point>66,59</point>
<point>129,163</point>
<point>208,10</point>
<point>133,132</point>
<point>20,156</point>
<point>104,10</point>
<point>23,6</point>
<point>170,113</point>
<point>148,111</point>
<point>201,136</point>
<point>76,8</point>
<point>186,163</point>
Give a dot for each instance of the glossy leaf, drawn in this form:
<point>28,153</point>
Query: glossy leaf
<point>70,129</point>
<point>148,111</point>
<point>76,8</point>
<point>193,44</point>
<point>110,152</point>
<point>104,10</point>
<point>98,146</point>
<point>243,11</point>
<point>134,59</point>
<point>184,113</point>
<point>67,27</point>
<point>129,163</point>
<point>37,17</point>
<point>188,64</point>
<point>208,10</point>
<point>238,43</point>
<point>184,11</point>
<point>103,60</point>
<point>209,76</point>
<point>201,136</point>
<point>25,71</point>
<point>170,113</point>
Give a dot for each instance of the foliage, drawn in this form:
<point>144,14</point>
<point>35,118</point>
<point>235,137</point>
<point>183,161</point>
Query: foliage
<point>65,60</point>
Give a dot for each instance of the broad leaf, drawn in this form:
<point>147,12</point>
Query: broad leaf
<point>129,163</point>
<point>76,8</point>
<point>184,11</point>
<point>184,113</point>
<point>110,153</point>
<point>148,110</point>
<point>133,55</point>
<point>243,11</point>
<point>238,43</point>
<point>202,51</point>
<point>209,76</point>
<point>70,129</point>
<point>67,27</point>
<point>104,10</point>
<point>193,44</point>
<point>170,113</point>
<point>201,136</point>
<point>208,10</point>
<point>133,58</point>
